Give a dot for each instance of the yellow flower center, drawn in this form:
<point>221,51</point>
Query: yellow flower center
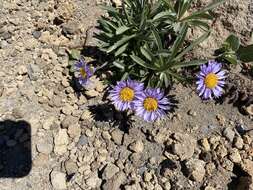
<point>126,94</point>
<point>211,80</point>
<point>83,72</point>
<point>150,104</point>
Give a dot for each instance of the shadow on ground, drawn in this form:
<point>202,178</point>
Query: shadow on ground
<point>15,149</point>
<point>107,113</point>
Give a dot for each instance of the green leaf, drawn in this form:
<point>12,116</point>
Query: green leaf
<point>193,44</point>
<point>211,6</point>
<point>231,58</point>
<point>233,41</point>
<point>179,41</point>
<point>175,75</point>
<point>72,65</point>
<point>198,16</point>
<point>189,63</point>
<point>246,53</point>
<point>104,25</point>
<point>125,76</point>
<point>121,50</point>
<point>169,3</point>
<point>185,6</point>
<point>110,23</point>
<point>119,65</point>
<point>199,23</point>
<point>147,53</point>
<point>165,78</point>
<point>163,53</point>
<point>165,14</point>
<point>157,39</point>
<point>120,43</point>
<point>74,54</point>
<point>122,29</point>
<point>142,62</point>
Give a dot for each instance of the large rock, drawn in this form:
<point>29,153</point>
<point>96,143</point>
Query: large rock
<point>117,136</point>
<point>229,134</point>
<point>45,146</point>
<point>183,146</point>
<point>235,156</point>
<point>115,182</point>
<point>58,180</point>
<point>74,131</point>
<point>93,181</point>
<point>136,146</point>
<point>109,171</point>
<point>61,141</point>
<point>196,169</point>
<point>71,167</point>
<point>69,120</point>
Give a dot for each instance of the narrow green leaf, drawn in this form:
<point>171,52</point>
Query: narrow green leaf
<point>110,23</point>
<point>200,24</point>
<point>165,14</point>
<point>163,53</point>
<point>193,44</point>
<point>125,76</point>
<point>165,79</point>
<point>188,64</point>
<point>198,16</point>
<point>121,50</point>
<point>120,43</point>
<point>122,29</point>
<point>169,3</point>
<point>179,41</point>
<point>104,25</point>
<point>142,62</point>
<point>119,65</point>
<point>157,38</point>
<point>209,7</point>
<point>147,53</point>
<point>175,75</point>
<point>185,6</point>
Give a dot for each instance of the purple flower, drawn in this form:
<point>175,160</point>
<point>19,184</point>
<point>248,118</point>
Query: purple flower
<point>152,104</point>
<point>124,94</point>
<point>211,80</point>
<point>83,72</point>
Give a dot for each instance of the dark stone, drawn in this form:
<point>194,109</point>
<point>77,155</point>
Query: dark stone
<point>36,34</point>
<point>83,140</point>
<point>5,35</point>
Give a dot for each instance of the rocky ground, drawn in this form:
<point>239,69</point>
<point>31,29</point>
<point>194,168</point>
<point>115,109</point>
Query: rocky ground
<point>78,141</point>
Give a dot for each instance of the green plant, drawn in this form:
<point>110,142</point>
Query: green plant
<point>147,41</point>
<point>233,52</point>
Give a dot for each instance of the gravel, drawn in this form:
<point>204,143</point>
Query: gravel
<point>78,141</point>
<point>58,180</point>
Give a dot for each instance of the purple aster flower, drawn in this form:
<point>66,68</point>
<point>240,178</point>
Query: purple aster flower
<point>83,72</point>
<point>152,104</point>
<point>124,94</point>
<point>211,80</point>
